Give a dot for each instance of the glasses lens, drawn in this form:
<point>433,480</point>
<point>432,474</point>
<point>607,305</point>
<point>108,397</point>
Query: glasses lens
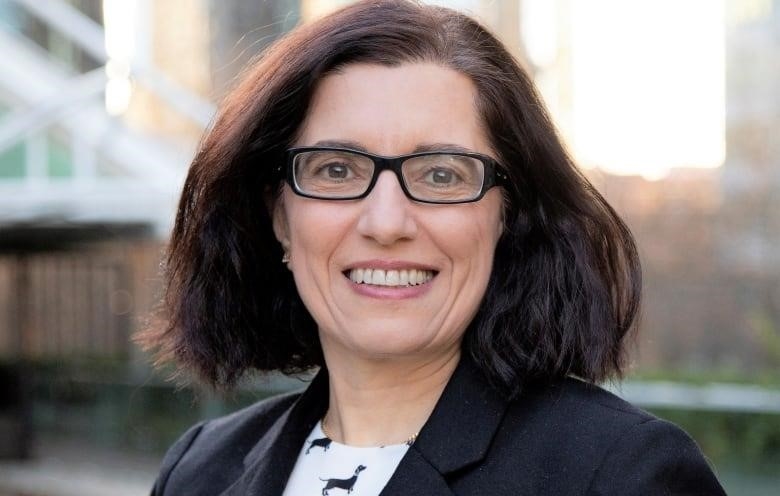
<point>444,177</point>
<point>332,173</point>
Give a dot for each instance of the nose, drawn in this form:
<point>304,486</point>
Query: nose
<point>386,213</point>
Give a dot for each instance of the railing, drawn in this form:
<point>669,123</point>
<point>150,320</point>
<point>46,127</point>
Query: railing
<point>109,166</point>
<point>721,397</point>
<point>90,37</point>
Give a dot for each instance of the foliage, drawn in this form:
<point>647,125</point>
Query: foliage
<point>731,438</point>
<point>696,376</point>
<point>107,406</point>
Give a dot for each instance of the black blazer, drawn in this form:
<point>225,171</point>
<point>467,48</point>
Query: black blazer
<point>568,438</point>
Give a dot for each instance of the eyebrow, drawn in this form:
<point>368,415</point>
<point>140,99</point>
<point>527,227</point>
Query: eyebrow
<point>352,145</point>
<point>423,147</point>
<point>441,147</point>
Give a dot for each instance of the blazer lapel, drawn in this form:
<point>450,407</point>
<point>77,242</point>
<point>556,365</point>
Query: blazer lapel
<point>269,464</point>
<point>416,475</point>
<point>457,434</point>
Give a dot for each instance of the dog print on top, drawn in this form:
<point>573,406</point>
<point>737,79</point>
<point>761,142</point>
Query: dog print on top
<point>335,469</point>
<point>323,443</point>
<point>346,484</point>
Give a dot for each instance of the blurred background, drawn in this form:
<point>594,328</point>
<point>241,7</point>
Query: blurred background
<point>671,107</point>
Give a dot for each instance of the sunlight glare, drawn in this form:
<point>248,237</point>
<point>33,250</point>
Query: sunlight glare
<point>636,87</point>
<point>119,22</point>
<point>648,85</point>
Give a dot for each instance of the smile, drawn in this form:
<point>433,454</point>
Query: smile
<point>380,277</point>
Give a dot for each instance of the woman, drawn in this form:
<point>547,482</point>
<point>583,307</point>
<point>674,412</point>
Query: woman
<point>384,197</point>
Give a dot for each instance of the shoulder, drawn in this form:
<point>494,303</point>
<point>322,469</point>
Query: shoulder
<point>213,451</point>
<point>577,436</point>
<point>573,398</point>
<point>572,415</point>
<point>575,410</point>
<point>254,419</point>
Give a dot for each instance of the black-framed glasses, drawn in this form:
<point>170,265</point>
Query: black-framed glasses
<point>329,173</point>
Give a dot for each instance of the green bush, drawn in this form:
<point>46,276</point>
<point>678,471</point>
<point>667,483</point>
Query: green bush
<point>732,438</point>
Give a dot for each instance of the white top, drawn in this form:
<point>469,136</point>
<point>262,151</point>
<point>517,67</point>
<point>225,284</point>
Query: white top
<point>327,467</point>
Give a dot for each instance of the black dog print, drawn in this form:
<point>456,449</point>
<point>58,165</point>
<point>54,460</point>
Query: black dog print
<point>347,484</point>
<point>323,443</point>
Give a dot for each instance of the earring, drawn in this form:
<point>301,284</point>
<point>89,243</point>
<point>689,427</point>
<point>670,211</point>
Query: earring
<point>286,257</point>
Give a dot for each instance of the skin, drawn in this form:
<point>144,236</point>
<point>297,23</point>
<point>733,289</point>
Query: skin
<point>390,353</point>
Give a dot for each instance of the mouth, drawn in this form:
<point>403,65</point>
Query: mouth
<point>392,278</point>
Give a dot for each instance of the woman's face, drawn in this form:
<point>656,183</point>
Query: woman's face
<point>391,111</point>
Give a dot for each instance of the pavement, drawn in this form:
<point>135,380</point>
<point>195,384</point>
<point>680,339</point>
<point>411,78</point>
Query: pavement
<point>69,467</point>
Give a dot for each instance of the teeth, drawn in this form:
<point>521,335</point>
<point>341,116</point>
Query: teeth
<point>379,277</point>
<point>392,277</point>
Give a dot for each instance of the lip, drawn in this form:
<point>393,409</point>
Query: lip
<point>389,265</point>
<point>389,292</point>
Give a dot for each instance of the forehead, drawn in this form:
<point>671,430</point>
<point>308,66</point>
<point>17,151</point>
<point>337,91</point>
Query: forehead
<point>394,110</point>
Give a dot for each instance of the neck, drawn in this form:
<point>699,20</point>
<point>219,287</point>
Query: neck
<point>382,402</point>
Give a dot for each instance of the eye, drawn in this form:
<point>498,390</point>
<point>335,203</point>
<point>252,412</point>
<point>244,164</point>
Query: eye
<point>331,173</point>
<point>441,177</point>
<point>336,171</point>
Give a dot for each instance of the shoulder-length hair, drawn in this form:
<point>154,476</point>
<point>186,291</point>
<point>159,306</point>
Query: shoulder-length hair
<point>565,285</point>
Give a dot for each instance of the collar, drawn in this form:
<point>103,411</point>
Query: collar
<point>457,434</point>
<point>269,463</point>
<point>464,421</point>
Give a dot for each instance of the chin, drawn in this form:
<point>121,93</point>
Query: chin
<point>390,341</point>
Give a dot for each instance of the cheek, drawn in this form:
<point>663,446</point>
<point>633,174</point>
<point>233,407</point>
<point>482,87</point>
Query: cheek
<point>472,237</point>
<point>315,232</point>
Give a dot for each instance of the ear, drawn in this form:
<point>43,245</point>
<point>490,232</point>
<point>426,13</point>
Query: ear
<point>279,219</point>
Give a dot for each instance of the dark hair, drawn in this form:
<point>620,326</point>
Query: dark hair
<point>566,280</point>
